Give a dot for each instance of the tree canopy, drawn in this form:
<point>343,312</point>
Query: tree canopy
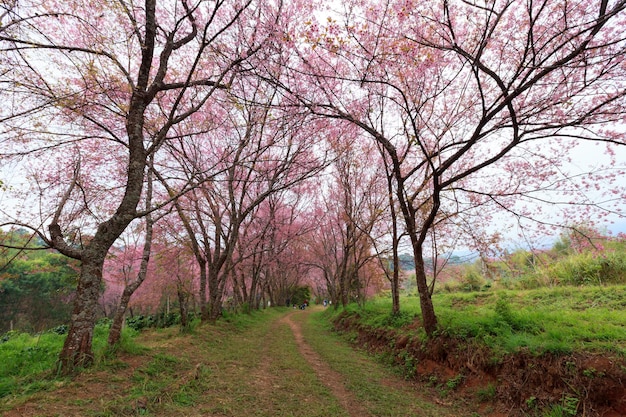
<point>269,145</point>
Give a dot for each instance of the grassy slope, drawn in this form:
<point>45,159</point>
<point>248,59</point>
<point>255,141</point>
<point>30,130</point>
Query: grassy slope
<point>557,320</point>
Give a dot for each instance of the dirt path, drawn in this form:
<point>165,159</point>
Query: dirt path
<point>331,379</point>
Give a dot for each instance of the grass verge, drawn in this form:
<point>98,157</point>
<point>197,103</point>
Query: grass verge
<point>27,362</point>
<point>557,320</point>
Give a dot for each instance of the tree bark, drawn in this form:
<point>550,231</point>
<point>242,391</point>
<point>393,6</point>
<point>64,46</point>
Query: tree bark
<point>204,311</point>
<point>115,333</point>
<point>429,318</point>
<point>183,301</point>
<point>77,349</point>
<point>215,298</point>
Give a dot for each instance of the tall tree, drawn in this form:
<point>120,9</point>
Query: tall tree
<point>354,204</point>
<point>95,90</point>
<point>474,103</point>
<point>115,332</point>
<point>259,148</point>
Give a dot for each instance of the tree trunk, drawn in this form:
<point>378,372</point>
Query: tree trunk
<point>204,311</point>
<point>395,291</point>
<point>215,298</point>
<point>183,302</point>
<point>426,303</point>
<point>115,333</point>
<point>77,349</point>
<point>395,277</point>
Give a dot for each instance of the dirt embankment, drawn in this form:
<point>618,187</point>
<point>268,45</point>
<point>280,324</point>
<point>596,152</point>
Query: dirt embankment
<point>519,384</point>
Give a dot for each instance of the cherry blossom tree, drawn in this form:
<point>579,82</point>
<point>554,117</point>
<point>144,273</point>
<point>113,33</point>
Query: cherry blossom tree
<point>269,259</point>
<point>132,285</point>
<point>476,104</point>
<point>258,149</point>
<point>354,204</point>
<point>94,90</point>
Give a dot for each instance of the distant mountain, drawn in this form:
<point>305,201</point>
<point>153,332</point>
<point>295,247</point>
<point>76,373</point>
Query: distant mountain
<point>407,263</point>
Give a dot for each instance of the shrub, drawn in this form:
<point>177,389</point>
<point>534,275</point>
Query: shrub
<point>587,269</point>
<point>472,281</point>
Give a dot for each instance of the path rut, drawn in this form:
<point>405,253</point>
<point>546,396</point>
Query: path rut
<point>331,379</point>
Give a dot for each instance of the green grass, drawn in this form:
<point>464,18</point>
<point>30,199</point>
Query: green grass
<point>247,364</point>
<point>557,320</point>
<point>28,362</point>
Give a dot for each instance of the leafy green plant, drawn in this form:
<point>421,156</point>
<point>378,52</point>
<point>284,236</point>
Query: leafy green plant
<point>532,402</point>
<point>472,281</point>
<point>432,381</point>
<point>592,373</point>
<point>487,393</point>
<point>409,364</point>
<point>453,383</point>
<point>570,405</point>
<point>567,408</point>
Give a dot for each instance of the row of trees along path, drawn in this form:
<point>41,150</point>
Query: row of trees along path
<point>207,121</point>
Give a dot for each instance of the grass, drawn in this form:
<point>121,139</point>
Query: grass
<point>27,362</point>
<point>249,364</point>
<point>243,365</point>
<point>368,380</point>
<point>557,320</point>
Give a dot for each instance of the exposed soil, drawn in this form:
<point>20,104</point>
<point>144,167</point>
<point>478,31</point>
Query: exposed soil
<point>520,384</point>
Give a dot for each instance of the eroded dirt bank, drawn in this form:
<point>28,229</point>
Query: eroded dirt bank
<point>520,384</point>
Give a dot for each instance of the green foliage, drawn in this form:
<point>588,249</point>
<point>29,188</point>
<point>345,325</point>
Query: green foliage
<point>36,287</point>
<point>589,269</point>
<point>454,382</point>
<point>159,321</point>
<point>472,281</point>
<point>567,408</point>
<point>557,320</point>
<point>300,294</point>
<point>28,362</point>
<point>517,321</point>
<point>22,354</point>
<point>584,257</point>
<point>487,393</point>
<point>409,367</point>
